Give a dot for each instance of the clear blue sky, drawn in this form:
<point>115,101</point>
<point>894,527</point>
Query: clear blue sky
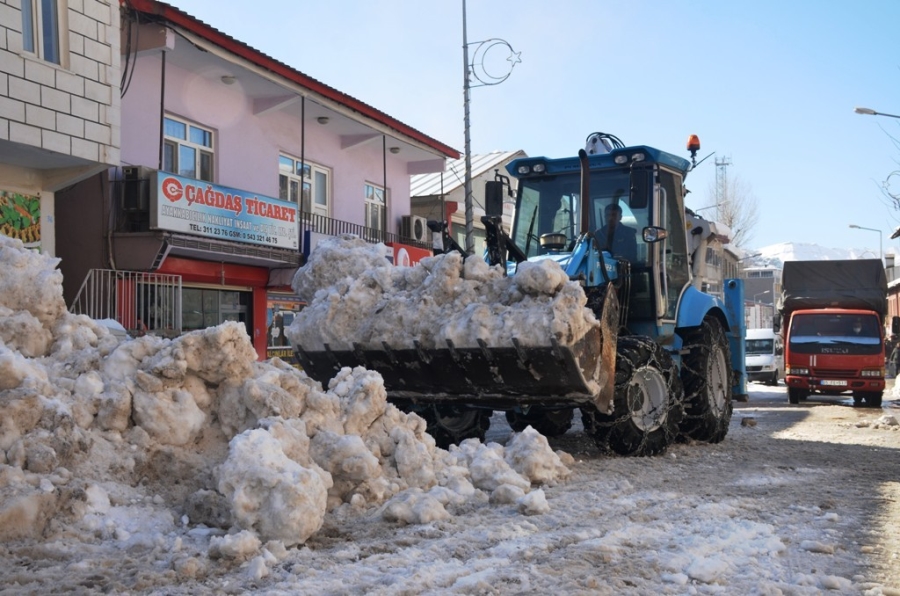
<point>768,84</point>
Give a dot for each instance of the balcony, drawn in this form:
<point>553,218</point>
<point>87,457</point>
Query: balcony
<point>327,226</point>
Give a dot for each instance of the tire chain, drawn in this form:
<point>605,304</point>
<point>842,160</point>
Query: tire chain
<point>630,354</point>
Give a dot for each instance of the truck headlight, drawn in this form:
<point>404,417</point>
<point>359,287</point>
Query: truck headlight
<point>796,371</point>
<point>878,372</point>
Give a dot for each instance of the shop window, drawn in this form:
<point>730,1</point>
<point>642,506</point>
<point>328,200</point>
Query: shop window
<point>40,29</point>
<point>305,184</point>
<point>187,149</point>
<point>202,308</point>
<point>375,207</point>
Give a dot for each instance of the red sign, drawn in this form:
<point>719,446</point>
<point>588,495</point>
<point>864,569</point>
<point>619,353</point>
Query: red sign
<point>406,255</point>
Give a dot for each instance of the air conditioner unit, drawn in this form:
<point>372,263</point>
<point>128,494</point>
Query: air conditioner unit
<point>136,188</point>
<point>136,172</point>
<point>414,227</point>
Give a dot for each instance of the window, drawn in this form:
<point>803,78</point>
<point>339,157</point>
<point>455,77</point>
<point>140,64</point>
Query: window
<point>40,29</point>
<point>303,183</point>
<point>202,308</point>
<point>187,150</point>
<point>375,207</point>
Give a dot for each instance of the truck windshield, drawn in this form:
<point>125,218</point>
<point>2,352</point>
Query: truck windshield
<point>835,334</point>
<point>552,204</point>
<point>759,346</point>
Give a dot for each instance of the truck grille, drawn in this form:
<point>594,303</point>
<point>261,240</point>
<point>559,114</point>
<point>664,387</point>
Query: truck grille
<point>834,374</point>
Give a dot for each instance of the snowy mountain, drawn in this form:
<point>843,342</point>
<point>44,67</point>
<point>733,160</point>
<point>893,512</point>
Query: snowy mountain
<point>774,255</point>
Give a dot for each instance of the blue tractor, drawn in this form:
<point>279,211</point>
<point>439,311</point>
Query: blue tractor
<point>668,357</point>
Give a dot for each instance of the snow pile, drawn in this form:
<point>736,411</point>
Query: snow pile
<point>130,441</point>
<point>355,295</point>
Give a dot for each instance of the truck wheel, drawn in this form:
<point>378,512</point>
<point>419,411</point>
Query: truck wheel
<point>796,395</point>
<point>708,383</point>
<point>451,425</point>
<point>873,400</point>
<point>647,404</point>
<point>548,422</point>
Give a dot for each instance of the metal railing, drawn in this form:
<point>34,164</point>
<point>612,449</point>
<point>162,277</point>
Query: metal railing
<point>139,301</point>
<point>335,227</point>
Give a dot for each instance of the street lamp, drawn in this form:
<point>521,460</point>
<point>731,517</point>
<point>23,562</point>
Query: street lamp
<point>708,207</point>
<point>871,112</point>
<point>476,68</point>
<point>880,244</point>
<point>756,296</point>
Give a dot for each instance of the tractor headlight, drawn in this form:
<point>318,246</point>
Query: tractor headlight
<point>621,159</point>
<point>638,157</point>
<point>539,168</point>
<point>524,170</point>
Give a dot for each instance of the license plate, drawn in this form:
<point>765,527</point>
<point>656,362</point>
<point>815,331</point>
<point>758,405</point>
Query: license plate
<point>834,383</point>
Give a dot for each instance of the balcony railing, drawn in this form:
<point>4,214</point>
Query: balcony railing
<point>336,227</point>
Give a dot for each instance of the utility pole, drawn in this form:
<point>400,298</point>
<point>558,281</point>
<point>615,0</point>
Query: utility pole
<point>721,182</point>
<point>476,68</point>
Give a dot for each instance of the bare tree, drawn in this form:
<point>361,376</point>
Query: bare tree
<point>737,208</point>
<point>890,187</point>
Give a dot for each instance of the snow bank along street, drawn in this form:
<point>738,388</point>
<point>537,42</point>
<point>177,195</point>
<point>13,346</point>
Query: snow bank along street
<point>153,465</point>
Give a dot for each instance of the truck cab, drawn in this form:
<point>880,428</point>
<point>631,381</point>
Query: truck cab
<point>835,351</point>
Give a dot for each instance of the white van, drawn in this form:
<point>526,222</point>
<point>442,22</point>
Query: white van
<point>764,356</point>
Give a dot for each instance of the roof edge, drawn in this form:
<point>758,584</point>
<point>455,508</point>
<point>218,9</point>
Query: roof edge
<point>180,18</point>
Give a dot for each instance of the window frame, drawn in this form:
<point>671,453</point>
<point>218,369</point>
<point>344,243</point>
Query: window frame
<point>313,184</point>
<point>375,210</point>
<point>35,39</point>
<point>173,146</point>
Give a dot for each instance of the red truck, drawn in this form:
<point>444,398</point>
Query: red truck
<point>832,320</point>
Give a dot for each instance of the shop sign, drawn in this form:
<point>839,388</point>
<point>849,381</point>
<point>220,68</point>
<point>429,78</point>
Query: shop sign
<point>404,255</point>
<point>203,209</point>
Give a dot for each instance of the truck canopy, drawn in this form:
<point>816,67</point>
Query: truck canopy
<point>853,283</point>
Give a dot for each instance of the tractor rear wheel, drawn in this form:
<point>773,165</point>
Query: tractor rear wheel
<point>548,422</point>
<point>647,404</point>
<point>708,383</point>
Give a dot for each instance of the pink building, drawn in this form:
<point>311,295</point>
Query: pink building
<point>233,165</point>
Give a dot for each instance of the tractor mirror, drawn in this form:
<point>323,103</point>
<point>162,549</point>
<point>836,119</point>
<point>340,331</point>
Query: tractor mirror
<point>641,185</point>
<point>493,197</point>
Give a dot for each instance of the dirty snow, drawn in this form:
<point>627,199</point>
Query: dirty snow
<point>355,294</point>
<point>184,466</point>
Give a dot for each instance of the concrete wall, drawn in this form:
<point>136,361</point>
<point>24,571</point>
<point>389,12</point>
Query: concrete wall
<point>59,123</point>
<point>71,108</point>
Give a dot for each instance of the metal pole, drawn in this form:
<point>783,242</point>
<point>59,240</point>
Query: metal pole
<point>467,185</point>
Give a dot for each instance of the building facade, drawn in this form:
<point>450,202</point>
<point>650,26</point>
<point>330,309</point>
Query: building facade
<point>441,195</point>
<point>233,165</point>
<point>59,108</point>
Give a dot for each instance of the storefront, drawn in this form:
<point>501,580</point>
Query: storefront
<point>230,248</point>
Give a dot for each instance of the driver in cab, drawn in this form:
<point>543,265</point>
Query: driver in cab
<point>624,238</point>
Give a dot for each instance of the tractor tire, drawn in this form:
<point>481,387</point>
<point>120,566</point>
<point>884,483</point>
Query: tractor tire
<point>548,422</point>
<point>648,402</point>
<point>795,396</point>
<point>708,383</point>
<point>451,425</point>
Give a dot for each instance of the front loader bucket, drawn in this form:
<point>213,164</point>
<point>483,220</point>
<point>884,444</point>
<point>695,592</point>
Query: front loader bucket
<point>555,374</point>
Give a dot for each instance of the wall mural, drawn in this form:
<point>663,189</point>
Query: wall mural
<point>20,217</point>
